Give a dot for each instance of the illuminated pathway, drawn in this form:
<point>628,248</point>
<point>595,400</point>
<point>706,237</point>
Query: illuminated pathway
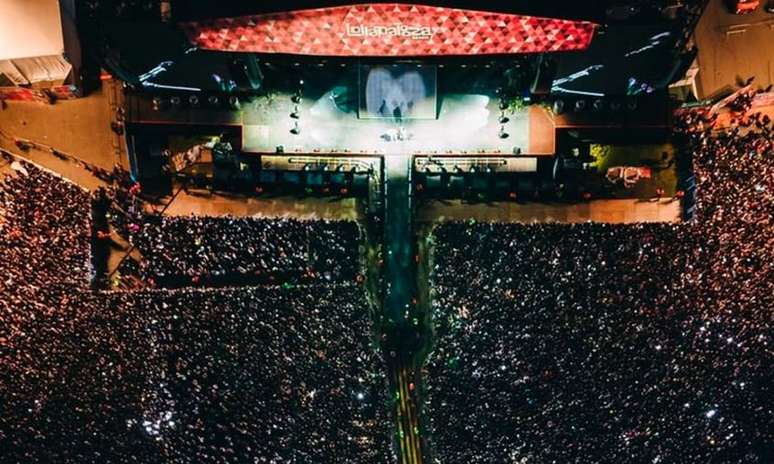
<point>401,287</point>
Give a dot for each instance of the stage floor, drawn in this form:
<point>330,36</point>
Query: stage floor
<point>466,124</point>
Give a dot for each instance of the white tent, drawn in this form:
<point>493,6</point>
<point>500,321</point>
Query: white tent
<point>31,42</point>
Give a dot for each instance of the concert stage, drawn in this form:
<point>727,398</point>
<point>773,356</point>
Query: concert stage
<point>466,124</point>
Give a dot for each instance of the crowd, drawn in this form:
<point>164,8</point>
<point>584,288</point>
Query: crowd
<point>44,240</point>
<point>198,376</point>
<point>263,374</point>
<point>599,343</point>
<point>228,248</point>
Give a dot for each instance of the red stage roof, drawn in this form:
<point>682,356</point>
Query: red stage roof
<point>390,30</point>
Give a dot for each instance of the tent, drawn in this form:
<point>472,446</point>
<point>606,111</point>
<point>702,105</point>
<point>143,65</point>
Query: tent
<point>32,43</point>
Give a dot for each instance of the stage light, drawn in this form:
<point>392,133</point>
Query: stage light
<point>502,134</point>
<point>340,168</point>
<point>473,169</point>
<point>233,101</point>
<point>175,101</point>
<point>213,100</point>
<point>558,106</point>
<point>488,170</point>
<point>296,130</point>
<point>503,119</point>
<point>301,82</point>
<point>598,105</point>
<point>158,103</point>
<point>580,105</point>
<point>193,100</point>
<point>295,114</point>
<point>296,99</point>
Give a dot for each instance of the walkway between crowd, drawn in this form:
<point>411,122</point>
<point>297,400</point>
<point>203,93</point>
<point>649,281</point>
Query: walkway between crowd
<point>398,238</point>
<point>407,418</point>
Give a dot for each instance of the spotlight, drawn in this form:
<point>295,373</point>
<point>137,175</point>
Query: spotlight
<point>158,103</point>
<point>580,105</point>
<point>503,119</point>
<point>296,130</point>
<point>503,105</point>
<point>473,169</point>
<point>175,101</point>
<point>295,114</point>
<point>213,100</point>
<point>502,134</point>
<point>598,105</point>
<point>193,100</point>
<point>296,99</point>
<point>558,107</point>
<point>340,168</point>
<point>233,101</point>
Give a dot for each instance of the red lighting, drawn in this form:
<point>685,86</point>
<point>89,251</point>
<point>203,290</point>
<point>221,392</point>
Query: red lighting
<point>390,30</point>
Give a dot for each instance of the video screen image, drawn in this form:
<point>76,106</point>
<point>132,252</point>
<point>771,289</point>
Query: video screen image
<point>403,91</point>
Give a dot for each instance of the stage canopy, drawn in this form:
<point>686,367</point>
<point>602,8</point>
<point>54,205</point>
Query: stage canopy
<point>390,30</point>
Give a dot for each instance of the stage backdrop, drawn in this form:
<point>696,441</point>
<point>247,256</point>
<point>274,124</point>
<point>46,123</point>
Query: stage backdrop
<point>390,30</point>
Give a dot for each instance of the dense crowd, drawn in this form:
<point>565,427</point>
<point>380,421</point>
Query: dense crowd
<point>597,343</point>
<point>263,374</point>
<point>198,247</point>
<point>44,243</point>
<point>197,376</point>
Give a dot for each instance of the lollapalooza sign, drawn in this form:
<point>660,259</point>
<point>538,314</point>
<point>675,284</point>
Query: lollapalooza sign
<point>389,29</point>
<point>395,30</point>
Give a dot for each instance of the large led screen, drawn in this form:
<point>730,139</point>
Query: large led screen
<point>398,92</point>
